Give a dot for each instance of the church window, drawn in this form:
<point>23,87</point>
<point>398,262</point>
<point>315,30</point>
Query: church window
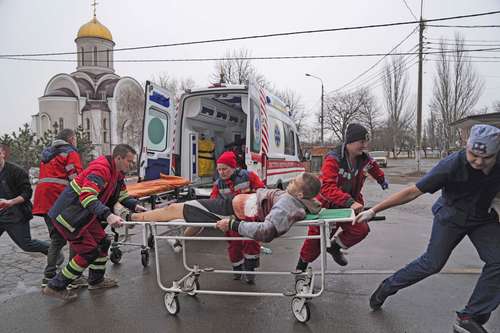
<point>105,135</point>
<point>82,56</point>
<point>61,123</point>
<point>104,123</point>
<point>95,55</point>
<point>107,58</point>
<point>88,124</point>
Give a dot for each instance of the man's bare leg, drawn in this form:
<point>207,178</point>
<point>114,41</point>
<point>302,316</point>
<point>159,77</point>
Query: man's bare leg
<point>164,214</point>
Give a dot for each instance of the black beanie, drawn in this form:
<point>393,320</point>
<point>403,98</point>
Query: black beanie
<point>355,132</point>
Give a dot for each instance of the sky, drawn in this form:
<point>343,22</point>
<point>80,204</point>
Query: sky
<point>31,26</point>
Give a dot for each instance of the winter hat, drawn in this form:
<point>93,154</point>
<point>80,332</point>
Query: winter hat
<point>228,158</point>
<point>484,140</point>
<point>355,132</point>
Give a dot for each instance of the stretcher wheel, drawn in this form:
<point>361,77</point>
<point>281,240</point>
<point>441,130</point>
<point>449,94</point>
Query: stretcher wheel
<point>145,258</point>
<point>171,303</point>
<point>300,309</point>
<point>151,242</point>
<point>116,255</point>
<point>191,284</point>
<point>301,286</point>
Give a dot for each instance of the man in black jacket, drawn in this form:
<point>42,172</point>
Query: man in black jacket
<point>15,205</point>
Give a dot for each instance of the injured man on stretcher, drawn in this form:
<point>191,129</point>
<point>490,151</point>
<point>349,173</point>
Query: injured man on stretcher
<point>263,216</point>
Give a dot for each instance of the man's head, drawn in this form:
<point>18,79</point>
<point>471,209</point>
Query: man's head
<point>67,135</point>
<point>304,186</point>
<point>226,164</point>
<point>483,146</point>
<point>124,157</point>
<point>356,139</point>
<point>4,152</point>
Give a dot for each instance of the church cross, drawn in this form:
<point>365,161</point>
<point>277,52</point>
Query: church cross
<point>94,4</point>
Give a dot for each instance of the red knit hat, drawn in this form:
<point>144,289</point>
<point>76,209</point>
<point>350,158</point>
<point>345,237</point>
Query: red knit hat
<point>228,158</point>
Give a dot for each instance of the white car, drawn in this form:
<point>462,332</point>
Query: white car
<point>380,157</point>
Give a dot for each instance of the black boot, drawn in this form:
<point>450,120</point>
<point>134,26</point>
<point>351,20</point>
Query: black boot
<point>336,254</point>
<point>250,265</point>
<point>301,265</point>
<point>239,268</point>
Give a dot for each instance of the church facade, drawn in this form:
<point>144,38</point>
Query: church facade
<point>108,107</point>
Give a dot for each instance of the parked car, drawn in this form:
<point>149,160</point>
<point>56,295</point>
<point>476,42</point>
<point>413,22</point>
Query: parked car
<point>380,157</point>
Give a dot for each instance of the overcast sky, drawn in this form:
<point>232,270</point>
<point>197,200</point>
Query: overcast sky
<point>28,26</point>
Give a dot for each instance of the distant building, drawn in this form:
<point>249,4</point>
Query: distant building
<point>464,125</point>
<point>108,107</point>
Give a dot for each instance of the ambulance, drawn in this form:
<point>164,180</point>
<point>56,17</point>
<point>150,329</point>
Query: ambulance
<point>225,114</point>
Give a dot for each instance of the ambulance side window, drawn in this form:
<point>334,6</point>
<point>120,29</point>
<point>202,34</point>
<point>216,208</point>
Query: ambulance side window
<point>255,128</point>
<point>157,130</point>
<point>289,140</point>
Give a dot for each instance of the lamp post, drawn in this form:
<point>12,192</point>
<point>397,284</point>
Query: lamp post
<point>321,118</point>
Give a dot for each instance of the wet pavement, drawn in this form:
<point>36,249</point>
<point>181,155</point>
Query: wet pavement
<point>137,305</point>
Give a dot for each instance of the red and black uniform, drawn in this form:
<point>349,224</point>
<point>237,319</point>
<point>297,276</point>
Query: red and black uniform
<point>341,185</point>
<point>241,181</point>
<point>77,213</point>
<point>59,165</point>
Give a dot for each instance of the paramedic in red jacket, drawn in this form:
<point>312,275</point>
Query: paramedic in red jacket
<point>244,255</point>
<point>60,164</point>
<point>77,216</point>
<point>343,174</point>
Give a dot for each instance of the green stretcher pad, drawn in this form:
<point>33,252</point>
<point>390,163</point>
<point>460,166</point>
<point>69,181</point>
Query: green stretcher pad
<point>329,214</point>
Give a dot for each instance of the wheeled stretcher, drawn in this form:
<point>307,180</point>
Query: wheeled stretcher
<point>303,291</point>
<point>155,194</point>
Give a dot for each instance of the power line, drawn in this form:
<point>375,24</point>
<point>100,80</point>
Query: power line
<point>411,11</point>
<point>375,64</point>
<point>263,57</point>
<point>462,44</point>
<point>463,26</point>
<point>466,40</point>
<point>281,34</point>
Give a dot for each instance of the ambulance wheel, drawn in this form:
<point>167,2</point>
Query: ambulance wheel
<point>191,284</point>
<point>145,258</point>
<point>300,309</point>
<point>116,255</point>
<point>171,303</point>
<point>301,286</point>
<point>151,242</point>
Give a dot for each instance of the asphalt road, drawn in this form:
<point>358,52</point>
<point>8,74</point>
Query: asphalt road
<point>137,305</point>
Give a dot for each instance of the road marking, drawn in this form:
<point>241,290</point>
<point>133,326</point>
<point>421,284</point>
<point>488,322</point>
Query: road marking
<point>451,271</point>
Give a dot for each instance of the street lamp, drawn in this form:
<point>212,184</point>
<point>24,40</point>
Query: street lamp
<point>321,118</point>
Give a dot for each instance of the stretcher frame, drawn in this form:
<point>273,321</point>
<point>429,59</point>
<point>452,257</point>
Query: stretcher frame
<point>177,194</point>
<point>304,281</point>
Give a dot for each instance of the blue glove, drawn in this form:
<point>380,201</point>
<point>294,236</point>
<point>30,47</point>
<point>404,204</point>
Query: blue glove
<point>384,185</point>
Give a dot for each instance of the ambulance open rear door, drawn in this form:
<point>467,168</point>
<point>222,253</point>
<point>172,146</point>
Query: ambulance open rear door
<point>159,112</point>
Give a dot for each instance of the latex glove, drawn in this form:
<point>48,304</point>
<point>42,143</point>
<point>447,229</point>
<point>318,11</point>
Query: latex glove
<point>139,208</point>
<point>384,185</point>
<point>114,220</point>
<point>222,225</point>
<point>364,216</point>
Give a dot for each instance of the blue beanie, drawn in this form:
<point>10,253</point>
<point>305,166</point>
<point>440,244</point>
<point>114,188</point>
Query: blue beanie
<point>484,140</point>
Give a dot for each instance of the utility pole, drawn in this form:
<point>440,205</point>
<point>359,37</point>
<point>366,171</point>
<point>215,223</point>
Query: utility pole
<point>419,93</point>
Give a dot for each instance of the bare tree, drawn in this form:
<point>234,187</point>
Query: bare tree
<point>236,68</point>
<point>370,115</point>
<point>295,106</point>
<point>457,89</point>
<point>400,117</point>
<point>130,105</point>
<point>175,85</point>
<point>341,109</point>
<point>496,106</point>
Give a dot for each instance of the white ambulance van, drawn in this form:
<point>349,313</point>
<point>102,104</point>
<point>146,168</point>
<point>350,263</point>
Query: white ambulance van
<point>225,114</point>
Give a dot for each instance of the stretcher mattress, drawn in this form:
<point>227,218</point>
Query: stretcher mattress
<point>329,214</point>
<point>157,186</point>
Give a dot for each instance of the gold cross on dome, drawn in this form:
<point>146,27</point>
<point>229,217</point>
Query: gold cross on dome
<point>94,4</point>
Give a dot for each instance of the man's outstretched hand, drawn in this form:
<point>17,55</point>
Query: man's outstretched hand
<point>364,216</point>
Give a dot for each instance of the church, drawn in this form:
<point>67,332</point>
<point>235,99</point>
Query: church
<point>108,107</point>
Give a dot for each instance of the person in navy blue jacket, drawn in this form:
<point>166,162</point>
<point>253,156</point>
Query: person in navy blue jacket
<point>469,180</point>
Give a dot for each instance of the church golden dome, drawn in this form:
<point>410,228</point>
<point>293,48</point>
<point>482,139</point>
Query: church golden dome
<point>94,28</point>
